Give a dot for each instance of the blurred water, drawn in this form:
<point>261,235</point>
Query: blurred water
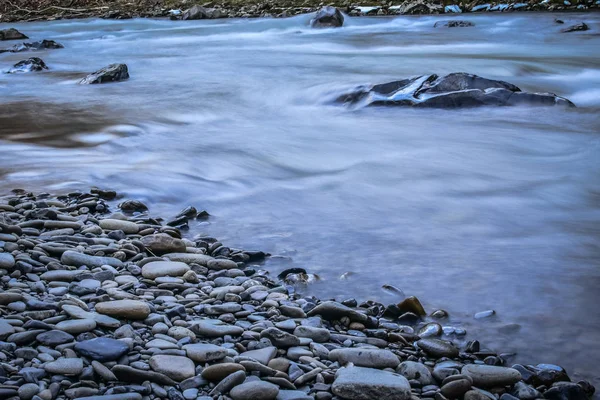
<point>466,209</point>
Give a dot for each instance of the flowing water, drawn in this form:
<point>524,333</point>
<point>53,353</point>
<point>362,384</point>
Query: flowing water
<point>466,209</point>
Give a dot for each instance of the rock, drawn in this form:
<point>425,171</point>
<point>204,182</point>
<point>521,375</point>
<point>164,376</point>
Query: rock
<point>217,372</point>
<point>162,243</point>
<point>456,389</point>
<point>35,46</point>
<point>279,338</point>
<point>65,366</point>
<point>456,90</point>
<point>484,314</point>
<point>6,329</point>
<point>332,310</point>
<point>133,206</point>
<point>111,73</point>
<point>453,24</point>
<point>438,348</point>
<point>102,320</point>
<point>412,370</point>
<point>566,391</point>
<point>208,329</point>
<point>293,395</point>
<point>125,373</point>
<point>190,258</point>
<point>418,7</point>
<point>117,224</point>
<point>130,309</point>
<point>61,275</point>
<point>175,367</point>
<point>54,338</point>
<point>327,17</point>
<point>228,383</point>
<point>576,28</point>
<point>205,352</point>
<point>11,34</point>
<point>365,357</point>
<point>413,305</point>
<point>263,355</point>
<point>523,391</point>
<point>357,383</point>
<point>30,65</point>
<point>489,376</point>
<point>255,390</point>
<point>76,259</point>
<point>28,390</point>
<point>199,12</point>
<point>156,269</point>
<point>102,349</point>
<point>319,335</point>
<point>476,395</point>
<point>218,264</point>
<point>121,396</point>
<point>7,261</point>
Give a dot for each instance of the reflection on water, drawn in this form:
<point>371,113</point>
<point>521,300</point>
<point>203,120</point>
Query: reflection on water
<point>466,209</point>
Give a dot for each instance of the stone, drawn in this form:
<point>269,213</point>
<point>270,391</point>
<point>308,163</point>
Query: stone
<point>456,389</point>
<point>319,335</point>
<point>121,396</point>
<point>476,395</point>
<point>199,12</point>
<point>332,310</point>
<point>35,46</point>
<point>254,390</point>
<point>61,275</point>
<point>162,243</point>
<point>54,338</point>
<point>263,355</point>
<point>7,261</point>
<point>11,34</point>
<point>327,17</point>
<point>111,73</point>
<point>102,349</point>
<point>156,269</point>
<point>208,329</point>
<point>76,326</point>
<point>228,383</point>
<point>453,24</point>
<point>365,357</point>
<point>438,348</point>
<point>489,376</point>
<point>103,371</point>
<point>65,366</point>
<point>523,391</point>
<point>6,329</point>
<point>224,308</point>
<point>125,373</point>
<point>28,390</point>
<point>413,370</point>
<point>205,352</point>
<point>484,314</point>
<point>456,90</point>
<point>219,264</point>
<point>358,383</point>
<point>566,391</point>
<point>101,320</point>
<point>76,259</point>
<point>175,367</point>
<point>576,28</point>
<point>280,338</point>
<point>133,206</point>
<point>217,372</point>
<point>130,309</point>
<point>33,64</point>
<point>190,258</point>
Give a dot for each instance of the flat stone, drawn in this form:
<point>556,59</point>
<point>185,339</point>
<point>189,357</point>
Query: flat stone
<point>205,352</point>
<point>365,357</point>
<point>293,395</point>
<point>61,275</point>
<point>119,225</point>
<point>102,349</point>
<point>65,366</point>
<point>332,310</point>
<point>130,309</point>
<point>76,326</point>
<point>190,258</point>
<point>255,390</point>
<point>438,348</point>
<point>358,383</point>
<point>217,372</point>
<point>162,243</point>
<point>7,261</point>
<point>76,259</point>
<point>6,329</point>
<point>156,269</point>
<point>220,264</point>
<point>126,373</point>
<point>207,329</point>
<point>263,355</point>
<point>280,338</point>
<point>54,338</point>
<point>490,376</point>
<point>228,383</point>
<point>319,335</point>
<point>175,367</point>
<point>101,320</point>
<point>456,389</point>
<point>413,370</point>
<point>225,308</point>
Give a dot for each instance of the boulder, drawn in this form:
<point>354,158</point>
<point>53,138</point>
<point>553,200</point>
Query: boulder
<point>30,65</point>
<point>456,90</point>
<point>35,46</point>
<point>11,34</point>
<point>111,73</point>
<point>357,383</point>
<point>327,17</point>
<point>199,12</point>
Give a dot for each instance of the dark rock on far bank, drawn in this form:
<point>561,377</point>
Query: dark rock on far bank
<point>199,12</point>
<point>29,65</point>
<point>456,90</point>
<point>112,73</point>
<point>11,34</point>
<point>453,24</point>
<point>328,17</point>
<point>576,28</point>
<point>35,46</point>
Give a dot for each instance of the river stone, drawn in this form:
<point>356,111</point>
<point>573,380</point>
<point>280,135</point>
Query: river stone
<point>255,390</point>
<point>205,352</point>
<point>65,366</point>
<point>6,329</point>
<point>358,383</point>
<point>121,396</point>
<point>228,383</point>
<point>78,259</point>
<point>453,24</point>
<point>576,28</point>
<point>11,34</point>
<point>523,391</point>
<point>111,73</point>
<point>218,309</point>
<point>61,275</point>
<point>438,348</point>
<point>327,17</point>
<point>413,370</point>
<point>319,335</point>
<point>490,376</point>
<point>332,310</point>
<point>125,373</point>
<point>130,309</point>
<point>33,64</point>
<point>456,389</point>
<point>102,349</point>
<point>280,338</point>
<point>263,355</point>
<point>101,320</point>
<point>218,264</point>
<point>54,338</point>
<point>7,261</point>
<point>217,372</point>
<point>175,367</point>
<point>28,390</point>
<point>199,12</point>
<point>190,258</point>
<point>161,243</point>
<point>156,269</point>
<point>208,329</point>
<point>365,357</point>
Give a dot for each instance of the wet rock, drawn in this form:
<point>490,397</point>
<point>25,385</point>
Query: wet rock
<point>280,338</point>
<point>217,372</point>
<point>438,348</point>
<point>328,17</point>
<point>489,376</point>
<point>255,390</point>
<point>199,12</point>
<point>365,357</point>
<point>453,24</point>
<point>576,28</point>
<point>357,383</point>
<point>162,243</point>
<point>205,352</point>
<point>566,391</point>
<point>175,367</point>
<point>78,259</point>
<point>126,373</point>
<point>412,370</point>
<point>156,269</point>
<point>484,314</point>
<point>456,389</point>
<point>7,261</point>
<point>65,366</point>
<point>208,329</point>
<point>319,335</point>
<point>11,34</point>
<point>102,349</point>
<point>130,309</point>
<point>35,46</point>
<point>412,305</point>
<point>523,391</point>
<point>28,390</point>
<point>332,310</point>
<point>111,73</point>
<point>30,65</point>
<point>418,7</point>
<point>131,206</point>
<point>54,338</point>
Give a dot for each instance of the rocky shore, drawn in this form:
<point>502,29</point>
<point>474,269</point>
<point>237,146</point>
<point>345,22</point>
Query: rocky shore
<point>39,10</point>
<point>108,305</point>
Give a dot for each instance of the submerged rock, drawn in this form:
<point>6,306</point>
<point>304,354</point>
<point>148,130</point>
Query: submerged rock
<point>453,24</point>
<point>456,90</point>
<point>112,73</point>
<point>29,65</point>
<point>576,28</point>
<point>35,46</point>
<point>11,34</point>
<point>328,17</point>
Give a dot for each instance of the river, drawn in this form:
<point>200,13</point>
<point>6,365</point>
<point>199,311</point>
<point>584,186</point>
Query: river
<point>489,208</point>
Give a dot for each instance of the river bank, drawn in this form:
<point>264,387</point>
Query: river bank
<point>40,10</point>
<point>103,300</point>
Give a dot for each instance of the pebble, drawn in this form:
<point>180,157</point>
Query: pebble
<point>438,348</point>
<point>65,366</point>
<point>78,259</point>
<point>217,372</point>
<point>255,390</point>
<point>205,352</point>
<point>358,383</point>
<point>365,357</point>
<point>489,376</point>
<point>7,261</point>
<point>102,349</point>
<point>175,367</point>
<point>156,269</point>
<point>130,309</point>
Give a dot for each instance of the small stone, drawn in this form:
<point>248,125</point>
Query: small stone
<point>102,349</point>
<point>130,309</point>
<point>412,370</point>
<point>205,352</point>
<point>28,390</point>
<point>111,73</point>
<point>280,338</point>
<point>78,259</point>
<point>54,338</point>
<point>365,357</point>
<point>208,329</point>
<point>156,269</point>
<point>65,366</point>
<point>456,389</point>
<point>175,367</point>
<point>332,310</point>
<point>263,356</point>
<point>220,264</point>
<point>7,261</point>
<point>438,348</point>
<point>255,390</point>
<point>484,314</point>
<point>217,372</point>
<point>319,335</point>
<point>358,383</point>
<point>76,326</point>
<point>489,376</point>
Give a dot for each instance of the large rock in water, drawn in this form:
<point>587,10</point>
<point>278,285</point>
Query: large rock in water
<point>112,73</point>
<point>453,24</point>
<point>35,46</point>
<point>328,17</point>
<point>357,383</point>
<point>29,65</point>
<point>456,90</point>
<point>11,34</point>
